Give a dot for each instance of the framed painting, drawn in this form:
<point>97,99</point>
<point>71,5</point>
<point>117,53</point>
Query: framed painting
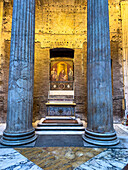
<point>61,73</point>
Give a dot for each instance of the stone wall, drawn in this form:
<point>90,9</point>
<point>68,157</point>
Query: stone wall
<point>117,58</point>
<point>80,70</point>
<point>60,24</point>
<point>5,35</point>
<point>41,81</point>
<point>63,24</point>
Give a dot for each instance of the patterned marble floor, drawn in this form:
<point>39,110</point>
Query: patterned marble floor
<point>59,158</point>
<point>67,158</point>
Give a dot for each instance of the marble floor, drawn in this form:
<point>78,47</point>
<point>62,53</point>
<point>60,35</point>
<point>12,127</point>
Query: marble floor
<point>31,157</point>
<point>10,159</point>
<point>108,159</point>
<point>66,158</point>
<point>59,158</point>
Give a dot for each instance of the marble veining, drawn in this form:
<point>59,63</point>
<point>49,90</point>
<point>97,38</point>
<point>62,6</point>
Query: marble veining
<point>13,160</point>
<point>108,159</point>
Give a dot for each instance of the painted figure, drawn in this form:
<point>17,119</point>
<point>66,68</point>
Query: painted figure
<point>53,75</point>
<point>70,75</point>
<point>62,76</point>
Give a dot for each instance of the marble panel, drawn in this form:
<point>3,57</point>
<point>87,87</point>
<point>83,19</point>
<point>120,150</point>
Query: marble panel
<point>61,92</point>
<point>61,111</point>
<point>11,159</point>
<point>108,159</point>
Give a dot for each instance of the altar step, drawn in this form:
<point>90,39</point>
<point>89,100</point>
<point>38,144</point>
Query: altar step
<point>60,126</point>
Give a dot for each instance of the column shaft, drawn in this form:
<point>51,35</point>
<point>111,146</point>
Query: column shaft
<point>19,128</point>
<point>100,129</point>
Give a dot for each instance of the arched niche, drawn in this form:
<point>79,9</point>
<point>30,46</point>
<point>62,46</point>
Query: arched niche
<point>61,69</point>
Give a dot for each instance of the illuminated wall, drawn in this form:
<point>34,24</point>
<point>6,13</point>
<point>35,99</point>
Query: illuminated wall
<point>63,24</point>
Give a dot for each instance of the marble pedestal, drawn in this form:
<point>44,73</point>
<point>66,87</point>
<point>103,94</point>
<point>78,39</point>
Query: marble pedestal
<point>61,103</point>
<point>60,109</point>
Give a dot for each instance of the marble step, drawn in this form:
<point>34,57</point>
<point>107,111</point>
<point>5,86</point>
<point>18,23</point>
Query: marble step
<point>60,128</point>
<point>61,118</point>
<point>59,124</point>
<point>59,121</point>
<point>59,132</point>
<point>64,96</point>
<point>59,99</point>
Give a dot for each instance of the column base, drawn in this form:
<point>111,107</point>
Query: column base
<point>10,139</point>
<point>109,139</point>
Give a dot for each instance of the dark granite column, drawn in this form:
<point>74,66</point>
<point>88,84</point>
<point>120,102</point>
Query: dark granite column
<point>19,128</point>
<point>99,129</point>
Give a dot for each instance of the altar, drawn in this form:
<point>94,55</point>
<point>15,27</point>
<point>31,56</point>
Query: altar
<point>60,117</point>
